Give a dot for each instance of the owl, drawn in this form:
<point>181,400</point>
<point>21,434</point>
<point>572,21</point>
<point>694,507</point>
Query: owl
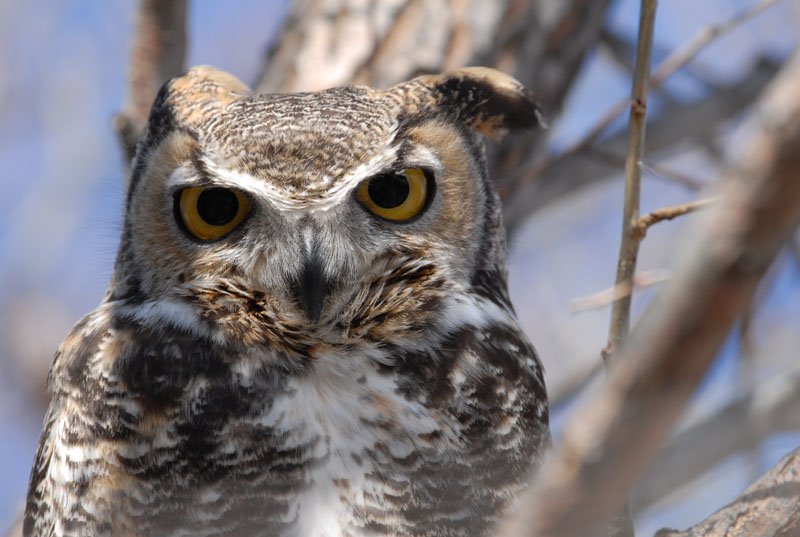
<point>308,330</point>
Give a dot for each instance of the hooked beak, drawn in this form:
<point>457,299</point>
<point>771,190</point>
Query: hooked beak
<point>311,286</point>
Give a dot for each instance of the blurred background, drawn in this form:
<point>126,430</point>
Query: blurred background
<point>64,67</point>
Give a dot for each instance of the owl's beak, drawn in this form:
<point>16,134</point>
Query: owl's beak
<point>311,286</point>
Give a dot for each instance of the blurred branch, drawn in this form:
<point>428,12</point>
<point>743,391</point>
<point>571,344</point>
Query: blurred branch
<point>771,407</point>
<point>608,443</point>
<point>158,53</point>
<point>607,296</point>
<point>656,170</point>
<point>677,59</point>
<point>767,508</point>
<point>703,38</point>
<point>668,174</point>
<point>384,43</point>
<point>564,392</point>
<point>676,124</point>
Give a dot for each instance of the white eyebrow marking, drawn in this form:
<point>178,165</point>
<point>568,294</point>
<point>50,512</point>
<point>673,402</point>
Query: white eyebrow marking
<point>287,199</point>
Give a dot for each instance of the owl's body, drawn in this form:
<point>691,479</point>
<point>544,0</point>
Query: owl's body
<point>317,355</point>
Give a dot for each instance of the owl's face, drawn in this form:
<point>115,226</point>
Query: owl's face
<point>331,218</point>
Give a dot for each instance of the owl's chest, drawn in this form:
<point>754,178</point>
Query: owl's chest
<point>311,452</point>
<point>360,434</point>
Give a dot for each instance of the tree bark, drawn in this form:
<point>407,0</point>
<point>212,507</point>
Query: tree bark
<point>158,53</point>
<point>767,508</point>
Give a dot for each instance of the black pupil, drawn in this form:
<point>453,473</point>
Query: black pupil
<point>217,206</point>
<point>389,190</point>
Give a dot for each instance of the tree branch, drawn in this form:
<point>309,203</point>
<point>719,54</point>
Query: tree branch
<point>607,296</point>
<point>621,523</point>
<point>767,508</point>
<point>158,53</point>
<point>629,246</point>
<point>684,54</point>
<point>608,443</point>
<point>743,424</point>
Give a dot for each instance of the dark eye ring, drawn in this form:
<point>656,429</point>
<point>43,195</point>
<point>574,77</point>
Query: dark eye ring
<point>208,213</point>
<point>397,196</point>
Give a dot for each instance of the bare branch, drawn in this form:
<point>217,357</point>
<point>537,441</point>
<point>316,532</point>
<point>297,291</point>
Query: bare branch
<point>158,53</point>
<point>644,222</point>
<point>767,508</point>
<point>621,523</point>
<point>629,246</point>
<point>769,408</point>
<point>605,297</point>
<point>609,442</point>
<point>660,171</point>
<point>703,38</point>
<point>577,381</point>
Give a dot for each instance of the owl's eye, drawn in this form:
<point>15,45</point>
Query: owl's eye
<point>397,196</point>
<point>211,212</point>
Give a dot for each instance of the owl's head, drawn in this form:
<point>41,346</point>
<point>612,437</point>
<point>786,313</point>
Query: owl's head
<point>333,218</point>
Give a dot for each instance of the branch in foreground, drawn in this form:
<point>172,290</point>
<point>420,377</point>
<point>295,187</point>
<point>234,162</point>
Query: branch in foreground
<point>608,443</point>
<point>767,507</point>
<point>158,53</point>
<point>769,408</point>
<point>605,297</point>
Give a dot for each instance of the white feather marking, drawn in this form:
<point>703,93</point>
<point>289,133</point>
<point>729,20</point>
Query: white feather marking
<point>284,200</point>
<point>287,198</point>
<point>156,313</point>
<point>331,405</point>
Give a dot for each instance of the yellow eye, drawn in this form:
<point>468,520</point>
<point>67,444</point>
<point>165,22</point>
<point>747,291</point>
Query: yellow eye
<point>211,212</point>
<point>395,196</point>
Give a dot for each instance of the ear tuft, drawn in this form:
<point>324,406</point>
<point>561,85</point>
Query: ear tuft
<point>208,83</point>
<point>187,99</point>
<point>491,102</point>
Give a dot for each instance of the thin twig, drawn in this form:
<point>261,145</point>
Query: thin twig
<point>664,173</point>
<point>629,247</point>
<point>657,170</point>
<point>668,213</point>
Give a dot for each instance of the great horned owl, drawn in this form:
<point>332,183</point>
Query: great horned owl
<point>308,330</point>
